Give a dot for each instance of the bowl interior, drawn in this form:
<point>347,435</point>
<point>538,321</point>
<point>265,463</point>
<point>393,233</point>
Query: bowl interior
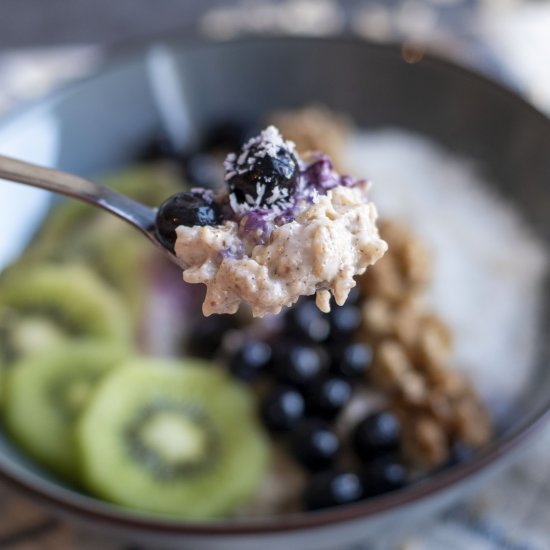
<point>100,124</point>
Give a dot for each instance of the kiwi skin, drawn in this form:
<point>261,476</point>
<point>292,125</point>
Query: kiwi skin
<point>44,395</point>
<point>111,472</point>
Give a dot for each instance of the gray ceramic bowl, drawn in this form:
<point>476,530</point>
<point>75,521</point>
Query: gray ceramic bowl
<point>101,123</point>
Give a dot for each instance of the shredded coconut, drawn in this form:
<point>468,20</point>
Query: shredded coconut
<point>488,266</point>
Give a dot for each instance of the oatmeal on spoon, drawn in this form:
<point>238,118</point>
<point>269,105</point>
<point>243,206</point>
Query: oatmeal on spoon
<point>282,227</point>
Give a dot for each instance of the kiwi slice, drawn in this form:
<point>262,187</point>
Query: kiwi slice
<point>178,438</point>
<point>120,255</point>
<point>46,305</point>
<point>45,394</point>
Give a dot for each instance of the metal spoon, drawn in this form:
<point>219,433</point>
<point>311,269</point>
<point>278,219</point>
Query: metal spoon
<point>140,216</point>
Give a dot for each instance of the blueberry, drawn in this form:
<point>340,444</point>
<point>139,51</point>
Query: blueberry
<point>383,475</point>
<point>326,397</point>
<point>344,321</point>
<point>264,174</point>
<point>206,335</point>
<point>333,488</point>
<point>305,320</point>
<point>159,148</point>
<point>299,364</point>
<point>314,445</point>
<point>190,208</point>
<point>250,361</point>
<point>460,452</point>
<point>376,435</point>
<point>226,135</point>
<point>354,296</point>
<point>282,409</point>
<point>352,361</point>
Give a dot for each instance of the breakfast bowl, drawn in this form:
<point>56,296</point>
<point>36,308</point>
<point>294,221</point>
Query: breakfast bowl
<point>105,122</point>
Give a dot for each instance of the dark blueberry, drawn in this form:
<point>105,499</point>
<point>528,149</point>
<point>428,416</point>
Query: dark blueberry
<point>299,364</point>
<point>250,361</point>
<point>307,321</point>
<point>314,445</point>
<point>352,361</point>
<point>326,397</point>
<point>282,409</point>
<point>189,208</point>
<point>376,435</point>
<point>202,170</point>
<point>460,452</point>
<point>333,488</point>
<point>344,321</point>
<point>159,148</point>
<point>264,173</point>
<point>383,475</point>
<point>207,333</point>
<point>227,135</point>
<point>354,296</point>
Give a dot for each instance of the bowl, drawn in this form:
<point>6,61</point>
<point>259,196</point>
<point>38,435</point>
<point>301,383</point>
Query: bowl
<point>101,123</point>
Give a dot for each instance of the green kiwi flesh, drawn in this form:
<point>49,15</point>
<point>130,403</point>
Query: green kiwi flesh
<point>177,438</point>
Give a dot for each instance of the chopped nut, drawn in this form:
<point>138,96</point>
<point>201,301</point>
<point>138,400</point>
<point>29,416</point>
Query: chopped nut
<point>425,443</point>
<point>406,325</point>
<point>450,382</point>
<point>433,350</point>
<point>390,364</point>
<point>405,269</point>
<point>383,280</point>
<point>413,388</point>
<point>439,406</point>
<point>415,262</point>
<point>315,129</point>
<point>377,317</point>
<point>472,423</point>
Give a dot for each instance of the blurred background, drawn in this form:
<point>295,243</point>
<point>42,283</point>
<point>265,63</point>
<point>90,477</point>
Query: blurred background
<point>42,44</point>
<point>45,44</point>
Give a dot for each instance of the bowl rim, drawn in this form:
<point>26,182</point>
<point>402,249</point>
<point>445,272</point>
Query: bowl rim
<point>80,505</point>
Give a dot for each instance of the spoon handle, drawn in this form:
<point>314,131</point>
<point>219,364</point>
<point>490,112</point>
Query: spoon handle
<point>137,214</point>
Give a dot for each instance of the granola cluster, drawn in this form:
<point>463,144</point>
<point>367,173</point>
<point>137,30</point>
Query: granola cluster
<point>437,405</point>
<point>315,129</point>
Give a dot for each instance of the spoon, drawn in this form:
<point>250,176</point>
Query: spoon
<point>140,216</point>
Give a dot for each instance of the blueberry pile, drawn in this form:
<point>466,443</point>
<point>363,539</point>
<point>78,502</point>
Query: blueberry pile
<point>306,371</point>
